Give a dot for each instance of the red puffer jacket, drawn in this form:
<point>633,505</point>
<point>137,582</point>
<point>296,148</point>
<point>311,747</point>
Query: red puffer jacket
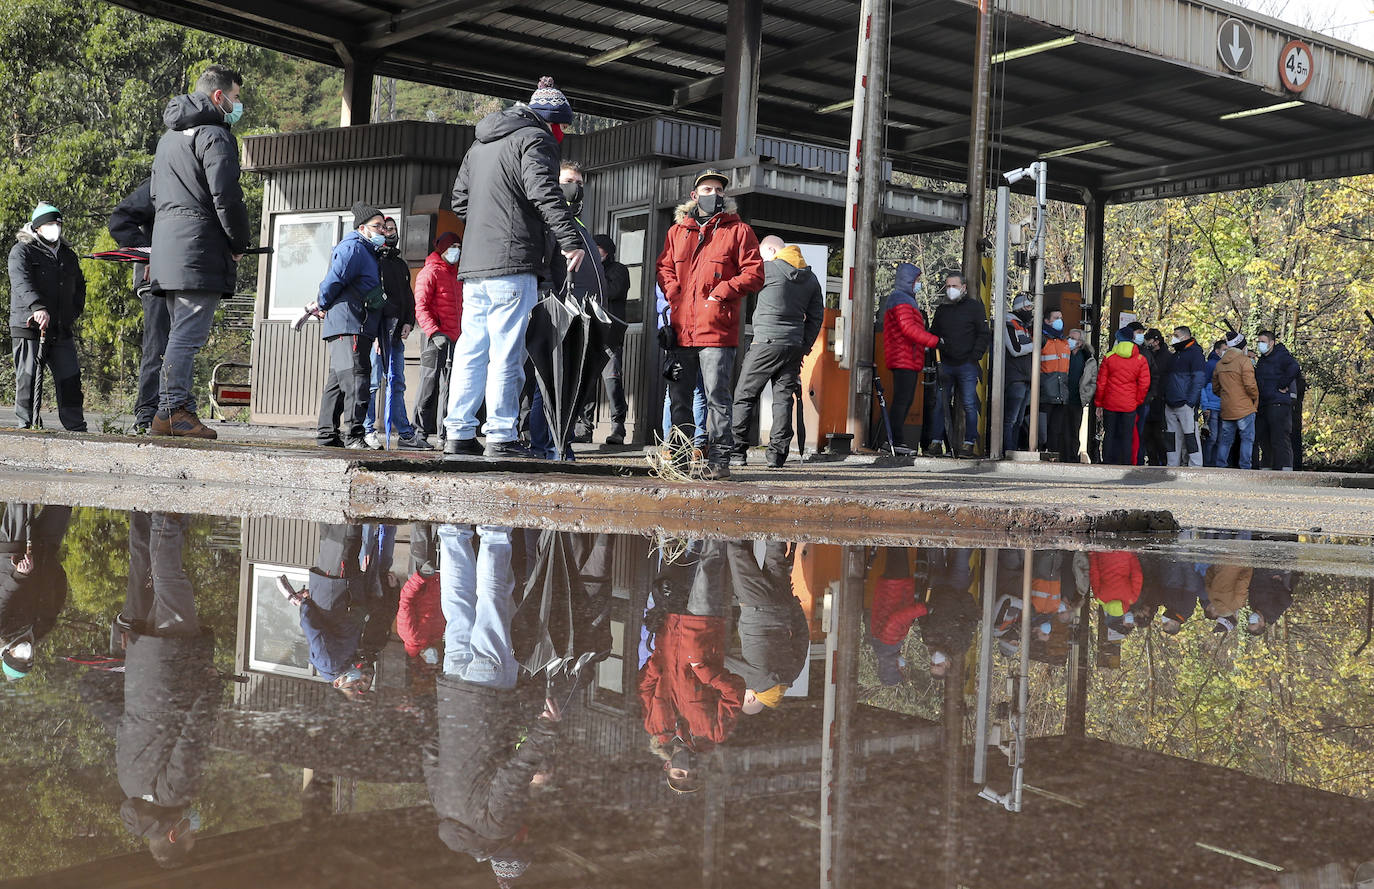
<point>1123,379</point>
<point>439,298</point>
<point>895,609</point>
<point>707,697</point>
<point>420,620</point>
<point>905,338</point>
<point>705,272</point>
<point>1115,577</point>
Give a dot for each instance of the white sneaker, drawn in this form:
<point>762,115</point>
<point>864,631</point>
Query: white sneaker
<point>374,441</point>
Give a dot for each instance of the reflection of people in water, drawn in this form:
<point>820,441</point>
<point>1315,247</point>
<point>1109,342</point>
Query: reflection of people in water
<point>1171,589</point>
<point>488,752</point>
<point>954,612</point>
<point>1228,588</point>
<point>33,584</point>
<point>691,701</point>
<point>774,637</point>
<point>420,619</point>
<point>171,691</point>
<point>1271,593</point>
<point>898,600</point>
<point>1116,582</point>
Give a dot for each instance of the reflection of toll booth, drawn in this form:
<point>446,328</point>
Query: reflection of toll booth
<point>636,173</point>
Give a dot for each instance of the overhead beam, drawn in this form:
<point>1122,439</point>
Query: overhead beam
<point>433,16</point>
<point>909,19</point>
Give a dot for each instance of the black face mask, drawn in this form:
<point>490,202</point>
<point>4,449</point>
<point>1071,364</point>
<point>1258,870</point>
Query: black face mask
<point>572,192</point>
<point>711,204</point>
<point>393,240</point>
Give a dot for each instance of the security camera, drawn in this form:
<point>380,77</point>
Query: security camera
<point>1015,176</point>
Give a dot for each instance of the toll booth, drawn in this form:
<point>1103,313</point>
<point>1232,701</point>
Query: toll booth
<point>636,173</point>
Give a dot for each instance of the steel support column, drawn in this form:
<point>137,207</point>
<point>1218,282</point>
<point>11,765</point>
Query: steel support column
<point>997,354</point>
<point>1094,288</point>
<point>842,643</point>
<point>978,146</point>
<point>359,67</point>
<point>739,112</point>
<point>871,188</point>
<point>1038,316</point>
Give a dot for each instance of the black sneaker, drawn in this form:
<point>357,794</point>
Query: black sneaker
<point>966,450</point>
<point>716,471</point>
<point>462,447</point>
<point>617,436</point>
<point>508,450</point>
<point>739,458</point>
<point>775,461</point>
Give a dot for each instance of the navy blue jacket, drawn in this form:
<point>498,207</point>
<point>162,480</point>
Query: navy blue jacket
<point>1211,401</point>
<point>354,276</point>
<point>1276,371</point>
<point>1186,375</point>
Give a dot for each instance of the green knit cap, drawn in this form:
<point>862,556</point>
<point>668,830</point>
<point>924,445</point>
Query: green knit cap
<point>43,214</point>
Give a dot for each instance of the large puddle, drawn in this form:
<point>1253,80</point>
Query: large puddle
<point>285,703</point>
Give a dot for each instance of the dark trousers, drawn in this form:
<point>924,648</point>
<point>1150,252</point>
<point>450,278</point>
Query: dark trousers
<point>343,407</point>
<point>59,356</point>
<point>1274,437</point>
<point>157,324</point>
<point>1118,437</point>
<point>1071,442</point>
<point>435,367</point>
<point>766,363</point>
<point>1052,416</point>
<point>615,392</point>
<point>1154,443</point>
<point>1014,416</point>
<point>904,384</point>
<point>716,364</point>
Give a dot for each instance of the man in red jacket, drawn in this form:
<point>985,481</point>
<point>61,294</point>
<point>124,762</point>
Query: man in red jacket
<point>710,263</point>
<point>905,340</point>
<point>439,312</point>
<point>1123,381</point>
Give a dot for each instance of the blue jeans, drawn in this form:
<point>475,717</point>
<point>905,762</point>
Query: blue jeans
<point>476,595</point>
<point>698,413</point>
<point>399,421</point>
<point>541,437</point>
<point>1209,449</point>
<point>190,314</point>
<point>1014,416</point>
<point>1246,427</point>
<point>489,357</point>
<point>964,379</point>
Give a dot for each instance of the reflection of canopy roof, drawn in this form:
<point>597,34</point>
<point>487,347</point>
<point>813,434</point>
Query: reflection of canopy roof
<point>1146,77</point>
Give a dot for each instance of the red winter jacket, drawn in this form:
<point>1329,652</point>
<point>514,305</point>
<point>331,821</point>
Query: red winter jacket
<point>706,272</point>
<point>439,298</point>
<point>707,697</point>
<point>1115,577</point>
<point>1123,379</point>
<point>895,609</point>
<point>420,620</point>
<point>905,338</point>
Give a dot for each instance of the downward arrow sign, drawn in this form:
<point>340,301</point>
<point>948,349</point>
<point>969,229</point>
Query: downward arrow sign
<point>1237,48</point>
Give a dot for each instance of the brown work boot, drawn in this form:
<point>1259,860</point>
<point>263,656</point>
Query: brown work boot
<point>161,425</point>
<point>187,425</point>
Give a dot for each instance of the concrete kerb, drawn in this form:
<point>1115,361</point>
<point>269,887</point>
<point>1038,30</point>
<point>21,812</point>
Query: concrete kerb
<point>596,497</point>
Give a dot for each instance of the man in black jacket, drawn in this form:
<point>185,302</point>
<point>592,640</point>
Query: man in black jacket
<point>398,319</point>
<point>131,225</point>
<point>199,233</point>
<point>47,295</point>
<point>507,193</point>
<point>1276,374</point>
<point>787,320</point>
<point>33,583</point>
<point>962,323</point>
<point>617,300</point>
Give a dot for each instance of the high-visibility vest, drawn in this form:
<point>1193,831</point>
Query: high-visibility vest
<point>1054,356</point>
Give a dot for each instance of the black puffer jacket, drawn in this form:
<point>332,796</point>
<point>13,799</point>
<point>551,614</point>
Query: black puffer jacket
<point>44,278</point>
<point>131,225</point>
<point>201,217</point>
<point>590,277</point>
<point>400,296</point>
<point>507,193</point>
<point>963,325</point>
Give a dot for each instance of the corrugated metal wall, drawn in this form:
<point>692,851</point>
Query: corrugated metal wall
<point>276,541</point>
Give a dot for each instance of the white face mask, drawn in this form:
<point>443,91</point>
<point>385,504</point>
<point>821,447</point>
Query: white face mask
<point>451,255</point>
<point>1262,347</point>
<point>23,651</point>
<point>52,232</point>
<point>1175,340</point>
<point>954,294</point>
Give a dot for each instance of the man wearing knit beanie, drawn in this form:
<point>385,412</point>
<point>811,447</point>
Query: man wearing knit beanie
<point>47,296</point>
<point>508,197</point>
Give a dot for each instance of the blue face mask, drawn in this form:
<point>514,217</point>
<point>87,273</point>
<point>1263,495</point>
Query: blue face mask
<point>376,239</point>
<point>917,287</point>
<point>232,117</point>
<point>1057,324</point>
<point>1140,339</point>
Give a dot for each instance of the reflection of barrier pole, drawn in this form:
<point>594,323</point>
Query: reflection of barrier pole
<point>1075,716</point>
<point>842,641</point>
<point>1018,693</point>
<point>980,725</point>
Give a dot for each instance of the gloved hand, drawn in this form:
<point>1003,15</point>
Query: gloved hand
<point>439,341</point>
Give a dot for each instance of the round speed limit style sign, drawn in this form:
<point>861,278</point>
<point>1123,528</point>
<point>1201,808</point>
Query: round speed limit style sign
<point>1296,66</point>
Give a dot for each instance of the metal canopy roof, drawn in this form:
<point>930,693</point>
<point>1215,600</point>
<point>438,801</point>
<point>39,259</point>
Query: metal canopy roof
<point>1145,77</point>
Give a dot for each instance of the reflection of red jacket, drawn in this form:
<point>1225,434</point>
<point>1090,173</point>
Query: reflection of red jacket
<point>439,298</point>
<point>420,620</point>
<point>895,609</point>
<point>706,272</point>
<point>905,338</point>
<point>1115,577</point>
<point>706,696</point>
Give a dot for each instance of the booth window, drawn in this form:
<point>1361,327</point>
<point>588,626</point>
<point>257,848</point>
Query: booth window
<point>630,231</point>
<point>302,244</point>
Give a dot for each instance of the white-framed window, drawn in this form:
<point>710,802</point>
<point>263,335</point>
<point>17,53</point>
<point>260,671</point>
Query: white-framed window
<point>302,244</point>
<point>276,642</point>
<point>630,231</point>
